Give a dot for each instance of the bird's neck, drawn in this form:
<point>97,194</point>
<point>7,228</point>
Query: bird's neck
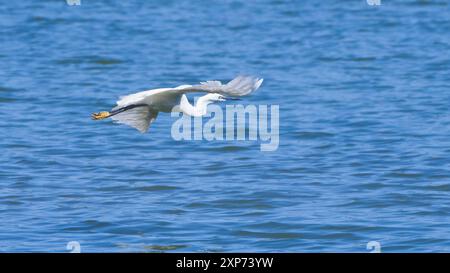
<point>200,108</point>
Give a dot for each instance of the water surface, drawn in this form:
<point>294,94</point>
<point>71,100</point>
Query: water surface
<point>364,127</point>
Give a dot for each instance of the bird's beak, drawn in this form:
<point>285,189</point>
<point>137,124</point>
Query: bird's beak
<point>230,98</point>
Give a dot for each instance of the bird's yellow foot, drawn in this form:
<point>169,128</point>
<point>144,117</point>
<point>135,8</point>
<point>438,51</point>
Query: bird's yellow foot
<point>101,115</point>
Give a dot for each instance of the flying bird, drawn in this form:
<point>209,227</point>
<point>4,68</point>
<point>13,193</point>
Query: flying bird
<point>139,110</point>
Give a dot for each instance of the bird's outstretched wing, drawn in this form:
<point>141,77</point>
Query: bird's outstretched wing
<point>239,86</point>
<point>139,118</point>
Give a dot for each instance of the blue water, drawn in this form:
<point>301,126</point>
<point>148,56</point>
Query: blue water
<point>364,127</point>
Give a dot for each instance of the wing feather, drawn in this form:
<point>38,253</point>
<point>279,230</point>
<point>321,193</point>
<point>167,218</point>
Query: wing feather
<point>239,86</point>
<point>139,118</point>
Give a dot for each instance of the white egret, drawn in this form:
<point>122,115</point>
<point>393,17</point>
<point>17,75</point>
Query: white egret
<point>139,110</point>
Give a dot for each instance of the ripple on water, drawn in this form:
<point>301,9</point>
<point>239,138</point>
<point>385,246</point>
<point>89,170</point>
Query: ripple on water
<point>88,225</point>
<point>242,203</point>
<point>157,188</point>
<point>5,100</point>
<point>227,149</point>
<point>312,135</point>
<point>439,188</point>
<point>89,60</point>
<point>162,248</point>
<point>268,235</point>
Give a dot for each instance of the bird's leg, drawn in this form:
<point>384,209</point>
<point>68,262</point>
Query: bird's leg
<point>106,114</point>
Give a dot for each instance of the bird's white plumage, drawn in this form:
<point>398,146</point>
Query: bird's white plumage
<point>239,86</point>
<point>165,99</point>
<point>139,118</point>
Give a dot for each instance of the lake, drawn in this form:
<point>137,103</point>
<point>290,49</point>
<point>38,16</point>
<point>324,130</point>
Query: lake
<point>363,154</point>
